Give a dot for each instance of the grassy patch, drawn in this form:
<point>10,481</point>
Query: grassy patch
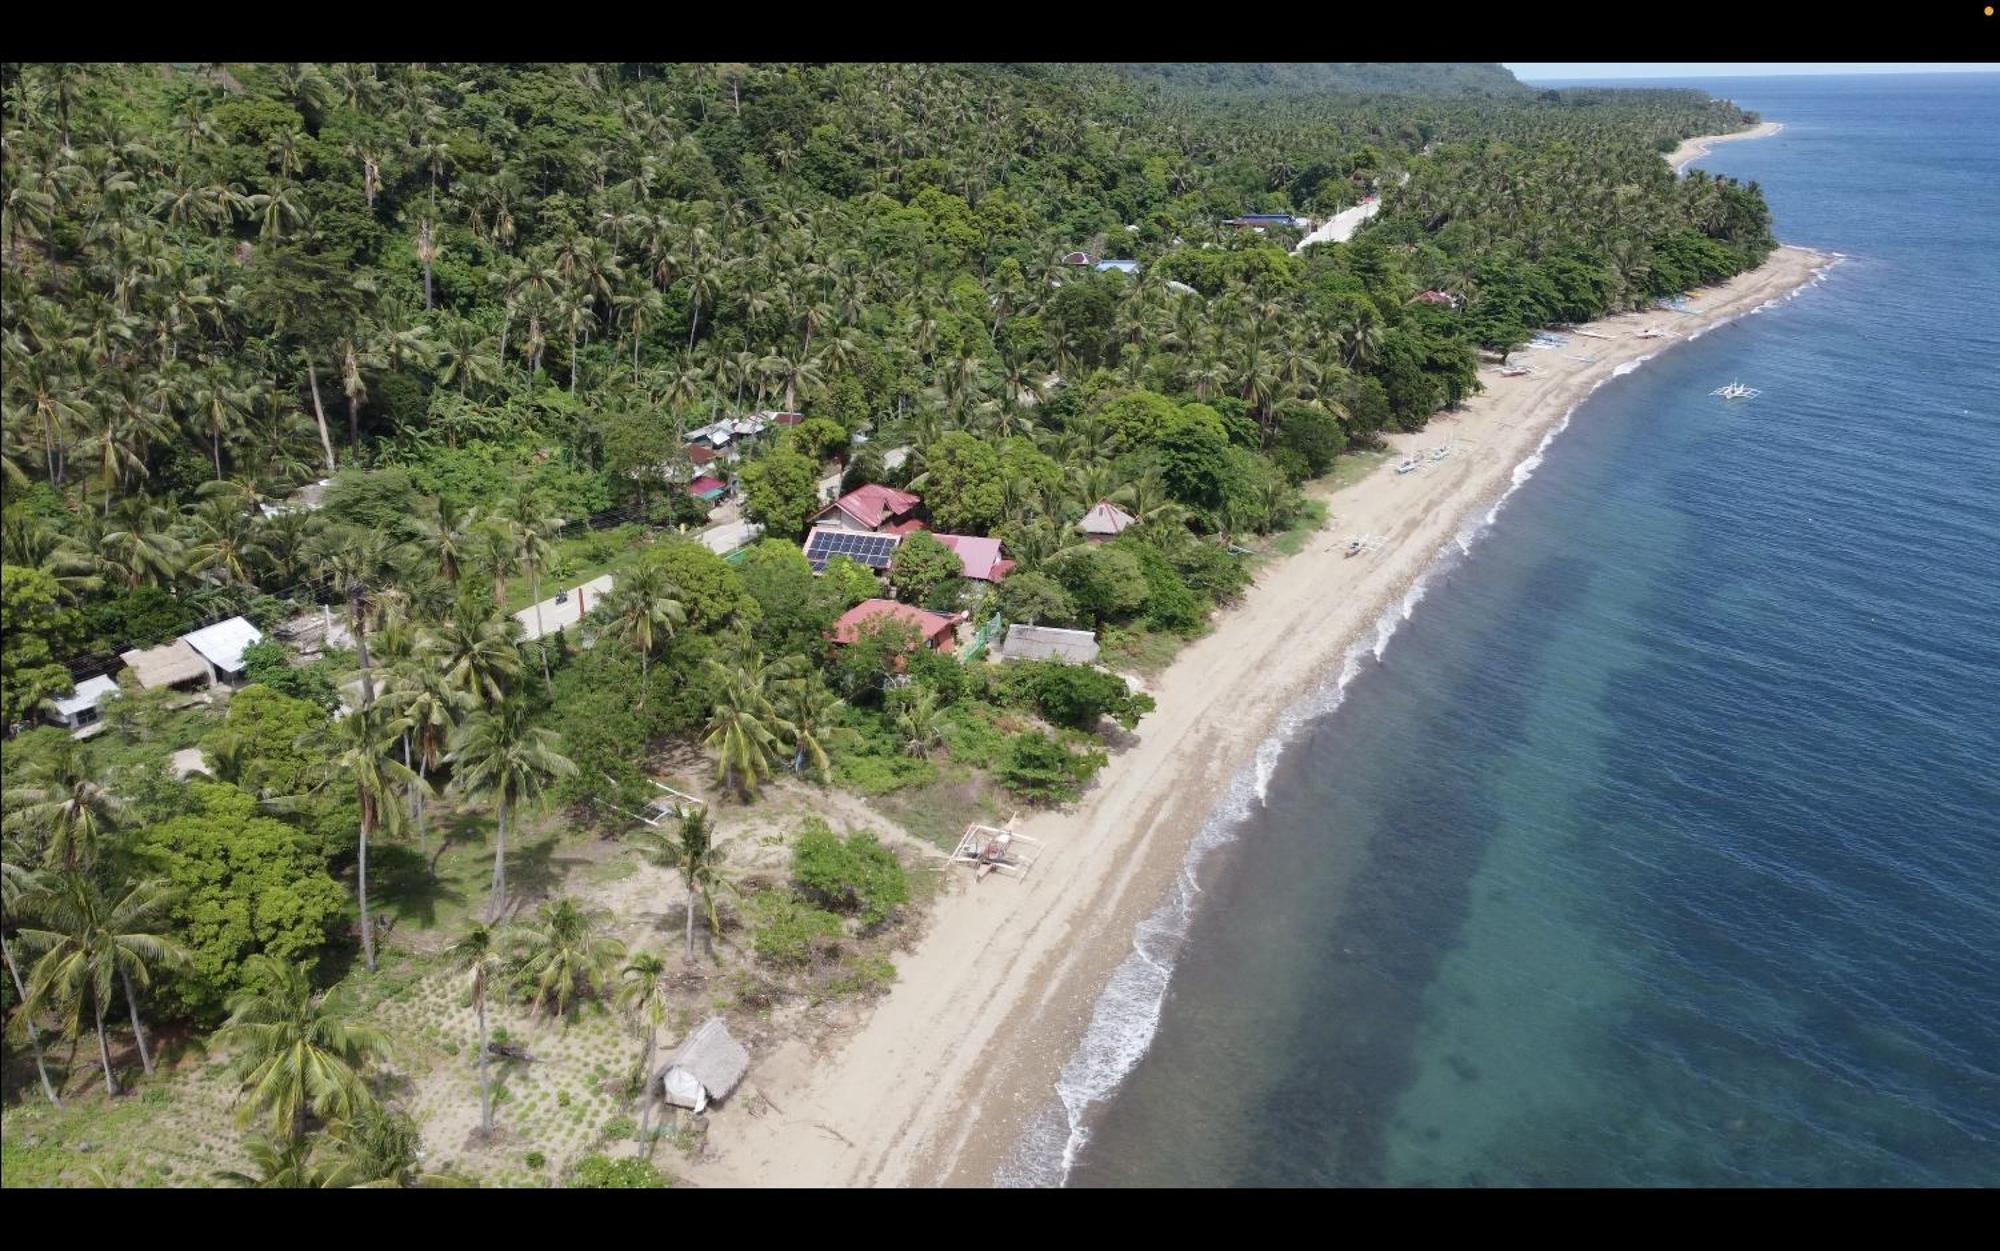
<point>1139,650</point>
<point>1351,468</point>
<point>1311,519</point>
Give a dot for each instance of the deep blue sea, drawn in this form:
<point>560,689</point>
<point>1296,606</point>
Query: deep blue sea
<point>1661,844</point>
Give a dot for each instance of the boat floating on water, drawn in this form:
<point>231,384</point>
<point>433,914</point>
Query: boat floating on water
<point>1737,391</point>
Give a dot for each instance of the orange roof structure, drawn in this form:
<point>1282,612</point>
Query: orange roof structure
<point>936,627</point>
<point>873,504</point>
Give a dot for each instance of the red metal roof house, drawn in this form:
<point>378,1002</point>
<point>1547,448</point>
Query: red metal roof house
<point>873,508</point>
<point>939,629</point>
<point>980,557</point>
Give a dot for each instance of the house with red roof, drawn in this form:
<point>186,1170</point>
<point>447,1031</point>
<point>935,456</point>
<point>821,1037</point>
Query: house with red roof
<point>981,557</point>
<point>873,509</point>
<point>939,629</point>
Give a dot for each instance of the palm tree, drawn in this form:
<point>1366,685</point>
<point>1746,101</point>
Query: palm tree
<point>744,730</point>
<point>477,654</point>
<point>297,1053</point>
<point>809,706</point>
<point>65,801</point>
<point>354,560</point>
<point>426,700</point>
<point>643,993</point>
<point>533,523</point>
<point>92,940</point>
<point>15,884</point>
<point>561,956</point>
<point>442,535</point>
<point>692,852</point>
<point>478,952</point>
<point>645,608</point>
<point>361,743</point>
<point>497,755</point>
<point>918,722</point>
<point>281,1164</point>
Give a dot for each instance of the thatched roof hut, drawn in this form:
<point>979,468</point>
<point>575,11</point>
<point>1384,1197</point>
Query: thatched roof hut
<point>708,1066</point>
<point>173,664</point>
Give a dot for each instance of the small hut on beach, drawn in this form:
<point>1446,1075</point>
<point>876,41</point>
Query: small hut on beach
<point>708,1067</point>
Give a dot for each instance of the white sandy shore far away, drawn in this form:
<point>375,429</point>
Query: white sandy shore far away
<point>1692,150</point>
<point>937,1085</point>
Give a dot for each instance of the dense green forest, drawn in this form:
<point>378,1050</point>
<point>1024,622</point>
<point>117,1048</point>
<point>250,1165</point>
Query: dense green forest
<point>1427,78</point>
<point>490,302</point>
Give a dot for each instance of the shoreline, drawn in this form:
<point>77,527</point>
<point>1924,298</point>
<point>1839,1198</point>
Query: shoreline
<point>941,1081</point>
<point>1692,150</point>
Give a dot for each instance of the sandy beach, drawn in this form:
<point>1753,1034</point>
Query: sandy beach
<point>937,1085</point>
<point>1694,149</point>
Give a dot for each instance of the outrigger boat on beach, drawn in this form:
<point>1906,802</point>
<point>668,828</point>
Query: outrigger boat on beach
<point>1362,544</point>
<point>1737,391</point>
<point>1652,332</point>
<point>1515,371</point>
<point>1409,463</point>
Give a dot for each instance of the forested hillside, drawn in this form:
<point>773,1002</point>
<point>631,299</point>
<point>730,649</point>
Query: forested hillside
<point>1346,77</point>
<point>492,302</point>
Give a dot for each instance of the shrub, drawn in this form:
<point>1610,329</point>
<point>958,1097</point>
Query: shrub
<point>785,929</point>
<point>1041,768</point>
<point>601,1172</point>
<point>1073,695</point>
<point>535,1159</point>
<point>857,875</point>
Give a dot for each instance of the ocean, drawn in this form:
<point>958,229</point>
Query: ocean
<point>1654,840</point>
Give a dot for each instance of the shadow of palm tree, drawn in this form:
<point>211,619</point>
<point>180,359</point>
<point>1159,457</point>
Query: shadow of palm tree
<point>467,829</point>
<point>410,889</point>
<point>534,872</point>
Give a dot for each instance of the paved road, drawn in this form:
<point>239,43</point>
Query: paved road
<point>556,616</point>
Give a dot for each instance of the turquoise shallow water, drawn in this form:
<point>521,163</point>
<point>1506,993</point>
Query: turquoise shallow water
<point>1661,846</point>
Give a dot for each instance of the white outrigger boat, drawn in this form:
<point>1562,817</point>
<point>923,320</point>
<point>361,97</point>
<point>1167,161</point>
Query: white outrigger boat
<point>1409,463</point>
<point>1737,391</point>
<point>1652,332</point>
<point>1515,371</point>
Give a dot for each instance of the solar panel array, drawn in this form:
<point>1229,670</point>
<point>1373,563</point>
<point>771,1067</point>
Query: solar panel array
<point>872,550</point>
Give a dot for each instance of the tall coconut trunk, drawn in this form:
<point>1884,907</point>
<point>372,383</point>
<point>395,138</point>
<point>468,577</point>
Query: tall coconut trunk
<point>319,414</point>
<point>360,644</point>
<point>690,923</point>
<point>535,589</point>
<point>138,1030</point>
<point>485,1083</point>
<point>695,325</point>
<point>34,1035</point>
<point>499,865</point>
<point>423,781</point>
<point>361,879</point>
<point>103,1047</point>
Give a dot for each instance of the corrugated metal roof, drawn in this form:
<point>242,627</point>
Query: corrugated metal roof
<point>1026,642</point>
<point>86,695</point>
<point>223,642</point>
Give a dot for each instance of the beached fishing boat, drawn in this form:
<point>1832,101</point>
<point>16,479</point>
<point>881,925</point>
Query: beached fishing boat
<point>1737,391</point>
<point>1410,463</point>
<point>1515,371</point>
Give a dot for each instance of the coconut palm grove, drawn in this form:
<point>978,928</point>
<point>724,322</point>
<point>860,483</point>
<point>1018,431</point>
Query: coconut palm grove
<point>505,563</point>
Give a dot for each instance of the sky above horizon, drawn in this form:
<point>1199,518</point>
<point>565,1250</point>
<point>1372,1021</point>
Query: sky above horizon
<point>1553,71</point>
